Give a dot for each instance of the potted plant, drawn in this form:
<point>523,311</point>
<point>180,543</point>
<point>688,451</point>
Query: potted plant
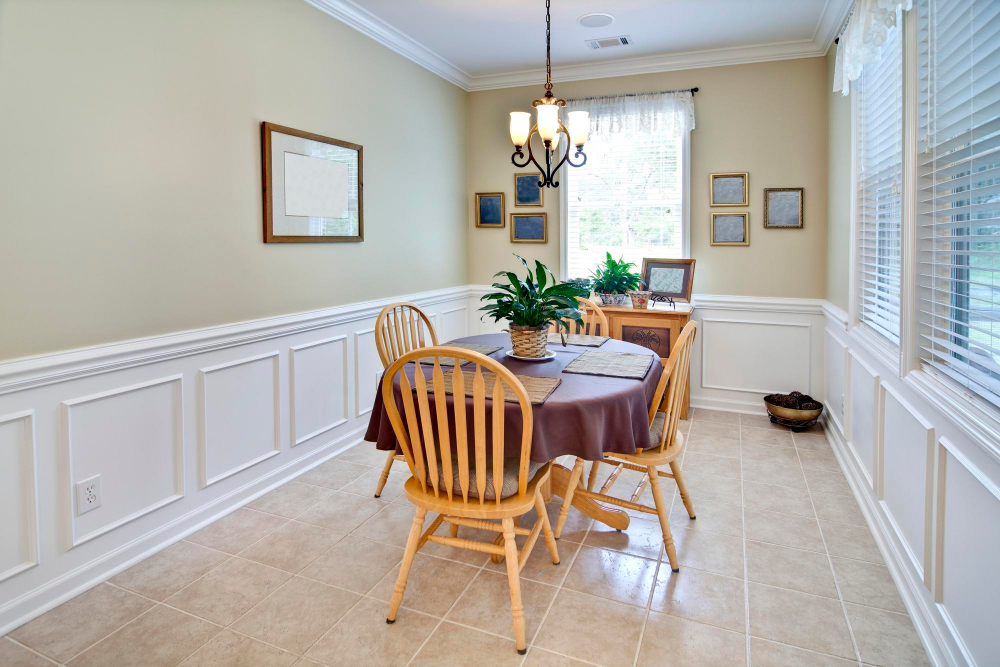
<point>613,279</point>
<point>531,305</point>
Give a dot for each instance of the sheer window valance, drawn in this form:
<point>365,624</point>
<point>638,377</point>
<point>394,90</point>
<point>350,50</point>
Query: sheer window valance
<point>863,37</point>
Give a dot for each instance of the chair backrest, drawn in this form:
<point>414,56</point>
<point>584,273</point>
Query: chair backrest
<point>672,387</point>
<point>438,461</point>
<point>399,328</point>
<point>593,317</point>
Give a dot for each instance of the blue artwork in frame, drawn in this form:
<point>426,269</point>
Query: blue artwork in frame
<point>489,209</point>
<point>526,190</point>
<point>529,228</point>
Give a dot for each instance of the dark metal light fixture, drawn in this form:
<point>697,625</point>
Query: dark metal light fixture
<point>548,127</point>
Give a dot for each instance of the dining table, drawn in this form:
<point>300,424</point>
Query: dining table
<point>584,416</point>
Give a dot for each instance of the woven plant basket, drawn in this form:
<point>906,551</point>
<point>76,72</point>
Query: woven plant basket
<point>529,341</point>
<point>613,299</point>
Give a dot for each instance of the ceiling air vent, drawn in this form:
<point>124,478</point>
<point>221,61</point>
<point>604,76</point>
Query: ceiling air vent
<point>607,42</point>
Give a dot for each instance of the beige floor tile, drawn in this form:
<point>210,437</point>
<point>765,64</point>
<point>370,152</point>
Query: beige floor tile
<point>342,512</point>
<point>818,459</point>
<point>721,466</point>
<point>716,446</point>
<point>576,526</point>
<point>541,658</point>
<point>485,605</point>
<point>669,640</point>
<point>366,484</point>
<point>773,473</point>
<point>229,591</point>
<point>432,587</point>
<point>760,421</point>
<point>869,584</point>
<point>76,624</point>
<point>701,596</point>
<point>160,637</point>
<point>334,474</point>
<point>612,575</point>
<point>713,488</point>
<point>719,416</point>
<point>591,628</point>
<point>539,566</point>
<point>770,654</point>
<point>827,481</point>
<point>13,655</point>
<point>237,530</point>
<point>455,646</point>
<point>365,454</point>
<point>713,517</point>
<point>784,529</point>
<point>777,499</point>
<point>229,649</point>
<point>838,508</point>
<point>799,570</point>
<point>766,436</point>
<point>362,637</point>
<point>807,621</point>
<point>886,638</point>
<point>164,573</point>
<point>715,429</point>
<point>354,563</point>
<point>290,500</point>
<point>754,451</point>
<point>643,537</point>
<point>843,539</point>
<point>812,442</point>
<point>293,546</point>
<point>391,525</point>
<point>721,554</point>
<point>297,614</point>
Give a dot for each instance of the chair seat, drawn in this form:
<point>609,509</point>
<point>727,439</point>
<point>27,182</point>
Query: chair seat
<point>653,455</point>
<point>511,504</point>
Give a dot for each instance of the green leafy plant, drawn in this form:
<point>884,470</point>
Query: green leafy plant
<point>614,277</point>
<point>535,301</point>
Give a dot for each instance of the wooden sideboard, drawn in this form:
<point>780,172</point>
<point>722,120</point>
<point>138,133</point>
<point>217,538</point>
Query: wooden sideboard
<point>656,328</point>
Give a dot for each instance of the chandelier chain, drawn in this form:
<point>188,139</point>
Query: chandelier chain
<point>548,46</point>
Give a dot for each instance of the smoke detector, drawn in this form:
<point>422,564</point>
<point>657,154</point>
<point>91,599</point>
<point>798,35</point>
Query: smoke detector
<point>607,42</point>
<point>596,20</point>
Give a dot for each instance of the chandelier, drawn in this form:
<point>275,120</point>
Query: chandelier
<point>548,126</point>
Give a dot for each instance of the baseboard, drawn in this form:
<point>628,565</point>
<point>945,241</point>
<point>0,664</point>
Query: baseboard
<point>728,405</point>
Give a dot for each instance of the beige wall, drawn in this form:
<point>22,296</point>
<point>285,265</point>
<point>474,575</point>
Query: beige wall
<point>130,202</point>
<point>838,212</point>
<point>768,119</point>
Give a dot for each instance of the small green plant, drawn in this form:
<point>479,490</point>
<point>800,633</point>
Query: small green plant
<point>614,277</point>
<point>534,301</point>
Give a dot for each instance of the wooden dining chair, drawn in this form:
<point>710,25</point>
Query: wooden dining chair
<point>399,328</point>
<point>467,484</point>
<point>666,445</point>
<point>594,320</point>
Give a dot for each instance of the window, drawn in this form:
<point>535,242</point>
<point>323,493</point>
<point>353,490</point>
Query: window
<point>629,198</point>
<point>958,193</point>
<point>879,155</point>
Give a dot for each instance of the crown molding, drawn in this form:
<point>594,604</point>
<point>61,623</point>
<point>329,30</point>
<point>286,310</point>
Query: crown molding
<point>831,19</point>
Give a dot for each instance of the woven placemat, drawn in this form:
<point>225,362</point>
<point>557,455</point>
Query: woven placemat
<point>611,364</point>
<point>579,339</point>
<point>538,388</point>
<point>450,361</point>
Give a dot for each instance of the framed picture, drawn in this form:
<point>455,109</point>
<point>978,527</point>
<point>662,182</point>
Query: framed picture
<point>730,229</point>
<point>529,228</point>
<point>313,187</point>
<point>728,189</point>
<point>783,207</point>
<point>672,278</point>
<point>490,210</point>
<point>526,190</point>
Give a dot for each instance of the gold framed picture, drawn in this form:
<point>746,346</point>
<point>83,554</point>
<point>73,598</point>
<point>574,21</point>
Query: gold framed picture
<point>673,278</point>
<point>490,210</point>
<point>527,192</point>
<point>529,227</point>
<point>729,189</point>
<point>730,229</point>
<point>783,208</point>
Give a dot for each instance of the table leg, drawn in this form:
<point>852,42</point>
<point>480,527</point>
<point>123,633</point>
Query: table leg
<point>613,517</point>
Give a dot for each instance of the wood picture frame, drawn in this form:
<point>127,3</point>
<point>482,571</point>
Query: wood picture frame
<point>787,213</point>
<point>727,234</point>
<point>670,268</point>
<point>486,203</point>
<point>280,226</point>
<point>525,186</point>
<point>723,189</point>
<point>525,227</point>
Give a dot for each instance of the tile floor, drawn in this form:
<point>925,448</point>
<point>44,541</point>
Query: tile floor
<point>778,569</point>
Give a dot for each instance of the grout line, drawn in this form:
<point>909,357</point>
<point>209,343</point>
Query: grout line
<point>30,650</point>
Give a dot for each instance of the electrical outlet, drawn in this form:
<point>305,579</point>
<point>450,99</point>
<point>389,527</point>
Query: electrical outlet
<point>88,495</point>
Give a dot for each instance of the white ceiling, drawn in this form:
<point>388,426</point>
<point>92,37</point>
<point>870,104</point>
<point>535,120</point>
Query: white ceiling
<point>480,44</point>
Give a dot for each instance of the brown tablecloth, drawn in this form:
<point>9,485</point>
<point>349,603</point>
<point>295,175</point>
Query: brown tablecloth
<point>585,416</point>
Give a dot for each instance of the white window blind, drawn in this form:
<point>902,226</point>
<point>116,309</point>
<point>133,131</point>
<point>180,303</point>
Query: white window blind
<point>879,155</point>
<point>958,162</point>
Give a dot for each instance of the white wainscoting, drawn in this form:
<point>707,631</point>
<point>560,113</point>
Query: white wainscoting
<point>182,429</point>
<point>929,490</point>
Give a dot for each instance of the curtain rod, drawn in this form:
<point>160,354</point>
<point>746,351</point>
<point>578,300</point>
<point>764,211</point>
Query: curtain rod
<point>655,92</point>
<point>847,22</point>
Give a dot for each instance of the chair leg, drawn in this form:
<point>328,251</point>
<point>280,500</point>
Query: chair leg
<point>592,480</point>
<point>514,581</point>
<point>682,487</point>
<point>550,540</point>
<point>574,479</point>
<point>404,569</point>
<point>385,473</point>
<point>663,512</point>
<point>453,529</point>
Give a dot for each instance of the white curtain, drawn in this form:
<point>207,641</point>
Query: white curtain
<point>671,113</point>
<point>862,39</point>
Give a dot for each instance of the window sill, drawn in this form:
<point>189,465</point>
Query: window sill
<point>886,353</point>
